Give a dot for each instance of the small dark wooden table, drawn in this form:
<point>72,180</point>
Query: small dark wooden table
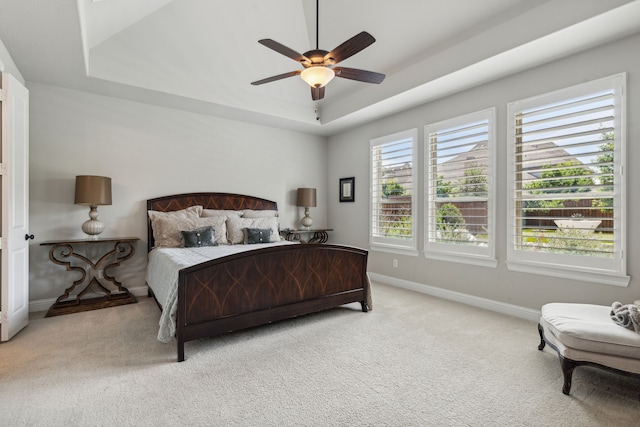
<point>63,252</point>
<point>320,235</point>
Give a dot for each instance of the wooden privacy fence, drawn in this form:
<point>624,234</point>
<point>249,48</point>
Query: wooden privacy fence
<point>475,213</point>
<point>579,207</point>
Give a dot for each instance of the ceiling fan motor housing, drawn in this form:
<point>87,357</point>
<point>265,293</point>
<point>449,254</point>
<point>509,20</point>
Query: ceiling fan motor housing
<point>317,57</point>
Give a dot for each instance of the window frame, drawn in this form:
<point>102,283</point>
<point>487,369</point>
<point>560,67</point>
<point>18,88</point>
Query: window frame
<point>389,244</point>
<point>579,267</point>
<point>468,254</point>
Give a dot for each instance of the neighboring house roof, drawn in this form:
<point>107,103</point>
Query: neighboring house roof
<point>400,174</point>
<point>535,156</point>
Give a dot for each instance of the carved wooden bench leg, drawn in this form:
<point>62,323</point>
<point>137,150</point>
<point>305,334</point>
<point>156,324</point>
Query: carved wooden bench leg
<point>542,341</point>
<point>567,366</point>
<point>364,305</point>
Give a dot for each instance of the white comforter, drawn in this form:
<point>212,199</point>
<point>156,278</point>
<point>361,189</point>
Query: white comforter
<point>162,276</point>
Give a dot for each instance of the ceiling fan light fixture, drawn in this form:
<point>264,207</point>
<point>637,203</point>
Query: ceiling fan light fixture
<point>317,76</point>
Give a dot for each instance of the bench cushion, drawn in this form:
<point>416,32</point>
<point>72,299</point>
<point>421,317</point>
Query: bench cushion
<point>589,328</point>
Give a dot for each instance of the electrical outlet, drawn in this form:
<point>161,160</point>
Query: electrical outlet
<point>395,263</point>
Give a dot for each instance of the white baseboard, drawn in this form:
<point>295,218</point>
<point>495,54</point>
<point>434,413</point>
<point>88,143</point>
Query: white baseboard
<point>487,304</point>
<point>45,304</point>
<point>484,303</point>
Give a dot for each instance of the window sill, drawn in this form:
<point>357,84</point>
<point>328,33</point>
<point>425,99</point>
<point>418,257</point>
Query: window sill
<point>463,259</point>
<point>394,249</point>
<point>594,276</point>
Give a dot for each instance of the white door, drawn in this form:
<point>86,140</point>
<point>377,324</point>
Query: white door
<point>14,296</point>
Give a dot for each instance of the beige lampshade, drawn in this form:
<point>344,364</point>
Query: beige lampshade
<point>93,190</point>
<point>307,197</point>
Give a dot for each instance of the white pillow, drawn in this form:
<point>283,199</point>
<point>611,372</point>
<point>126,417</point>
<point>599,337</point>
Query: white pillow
<point>190,212</point>
<point>167,232</point>
<point>250,213</point>
<point>235,226</point>
<point>206,213</point>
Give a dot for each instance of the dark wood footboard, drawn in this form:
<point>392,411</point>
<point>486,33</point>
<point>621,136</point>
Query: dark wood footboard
<point>266,285</point>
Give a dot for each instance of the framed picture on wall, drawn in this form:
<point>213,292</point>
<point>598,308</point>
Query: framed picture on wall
<point>347,189</point>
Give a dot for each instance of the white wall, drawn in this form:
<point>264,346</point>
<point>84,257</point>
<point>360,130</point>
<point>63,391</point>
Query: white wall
<point>149,152</point>
<point>7,65</point>
<point>349,156</point>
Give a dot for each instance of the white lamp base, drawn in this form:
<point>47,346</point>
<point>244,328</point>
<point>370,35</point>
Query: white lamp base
<point>306,221</point>
<point>93,226</point>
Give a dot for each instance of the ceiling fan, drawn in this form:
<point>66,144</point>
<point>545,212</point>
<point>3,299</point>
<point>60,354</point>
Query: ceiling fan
<point>319,65</point>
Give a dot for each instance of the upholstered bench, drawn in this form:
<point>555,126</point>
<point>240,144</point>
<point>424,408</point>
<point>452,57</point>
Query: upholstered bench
<point>585,334</point>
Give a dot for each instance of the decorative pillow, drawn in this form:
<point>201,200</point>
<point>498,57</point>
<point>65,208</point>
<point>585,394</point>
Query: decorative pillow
<point>167,232</point>
<point>190,212</point>
<point>250,213</point>
<point>256,235</point>
<point>235,226</point>
<point>206,213</point>
<point>199,237</point>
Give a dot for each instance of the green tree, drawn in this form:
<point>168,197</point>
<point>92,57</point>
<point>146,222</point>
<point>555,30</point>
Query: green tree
<point>449,217</point>
<point>474,182</point>
<point>392,188</point>
<point>557,179</point>
<point>451,226</point>
<point>443,188</point>
<point>565,179</point>
<point>606,167</point>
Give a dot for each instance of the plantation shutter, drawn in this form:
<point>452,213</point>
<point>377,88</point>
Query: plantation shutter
<point>567,195</point>
<point>564,177</point>
<point>459,179</point>
<point>392,190</point>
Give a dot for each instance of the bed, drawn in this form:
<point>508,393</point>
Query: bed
<point>253,282</point>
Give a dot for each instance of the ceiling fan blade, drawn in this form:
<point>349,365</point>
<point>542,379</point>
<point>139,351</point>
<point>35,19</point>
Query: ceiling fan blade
<point>349,48</point>
<point>359,75</point>
<point>282,49</point>
<point>317,93</point>
<point>278,77</point>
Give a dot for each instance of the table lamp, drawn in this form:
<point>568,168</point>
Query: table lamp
<point>306,199</point>
<point>93,191</point>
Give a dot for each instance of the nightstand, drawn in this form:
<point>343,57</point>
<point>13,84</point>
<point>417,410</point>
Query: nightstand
<point>112,252</point>
<point>320,235</point>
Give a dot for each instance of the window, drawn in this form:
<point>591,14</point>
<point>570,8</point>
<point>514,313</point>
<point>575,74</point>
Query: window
<point>566,151</point>
<point>393,192</point>
<point>459,180</point>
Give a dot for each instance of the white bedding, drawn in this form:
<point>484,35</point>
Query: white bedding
<point>162,275</point>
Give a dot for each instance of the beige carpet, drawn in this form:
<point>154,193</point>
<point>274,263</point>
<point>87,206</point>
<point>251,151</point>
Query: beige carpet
<point>413,361</point>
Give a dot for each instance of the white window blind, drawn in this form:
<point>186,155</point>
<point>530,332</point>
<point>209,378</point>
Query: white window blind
<point>393,179</point>
<point>458,177</point>
<point>567,153</point>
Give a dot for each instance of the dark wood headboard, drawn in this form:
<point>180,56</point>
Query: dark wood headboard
<point>208,201</point>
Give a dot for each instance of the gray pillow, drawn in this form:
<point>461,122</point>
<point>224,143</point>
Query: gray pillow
<point>257,235</point>
<point>199,237</point>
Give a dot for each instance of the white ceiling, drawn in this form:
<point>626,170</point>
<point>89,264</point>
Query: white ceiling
<point>202,55</point>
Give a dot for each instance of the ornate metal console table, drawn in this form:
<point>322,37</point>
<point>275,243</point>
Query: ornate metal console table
<point>63,252</point>
<point>320,235</point>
